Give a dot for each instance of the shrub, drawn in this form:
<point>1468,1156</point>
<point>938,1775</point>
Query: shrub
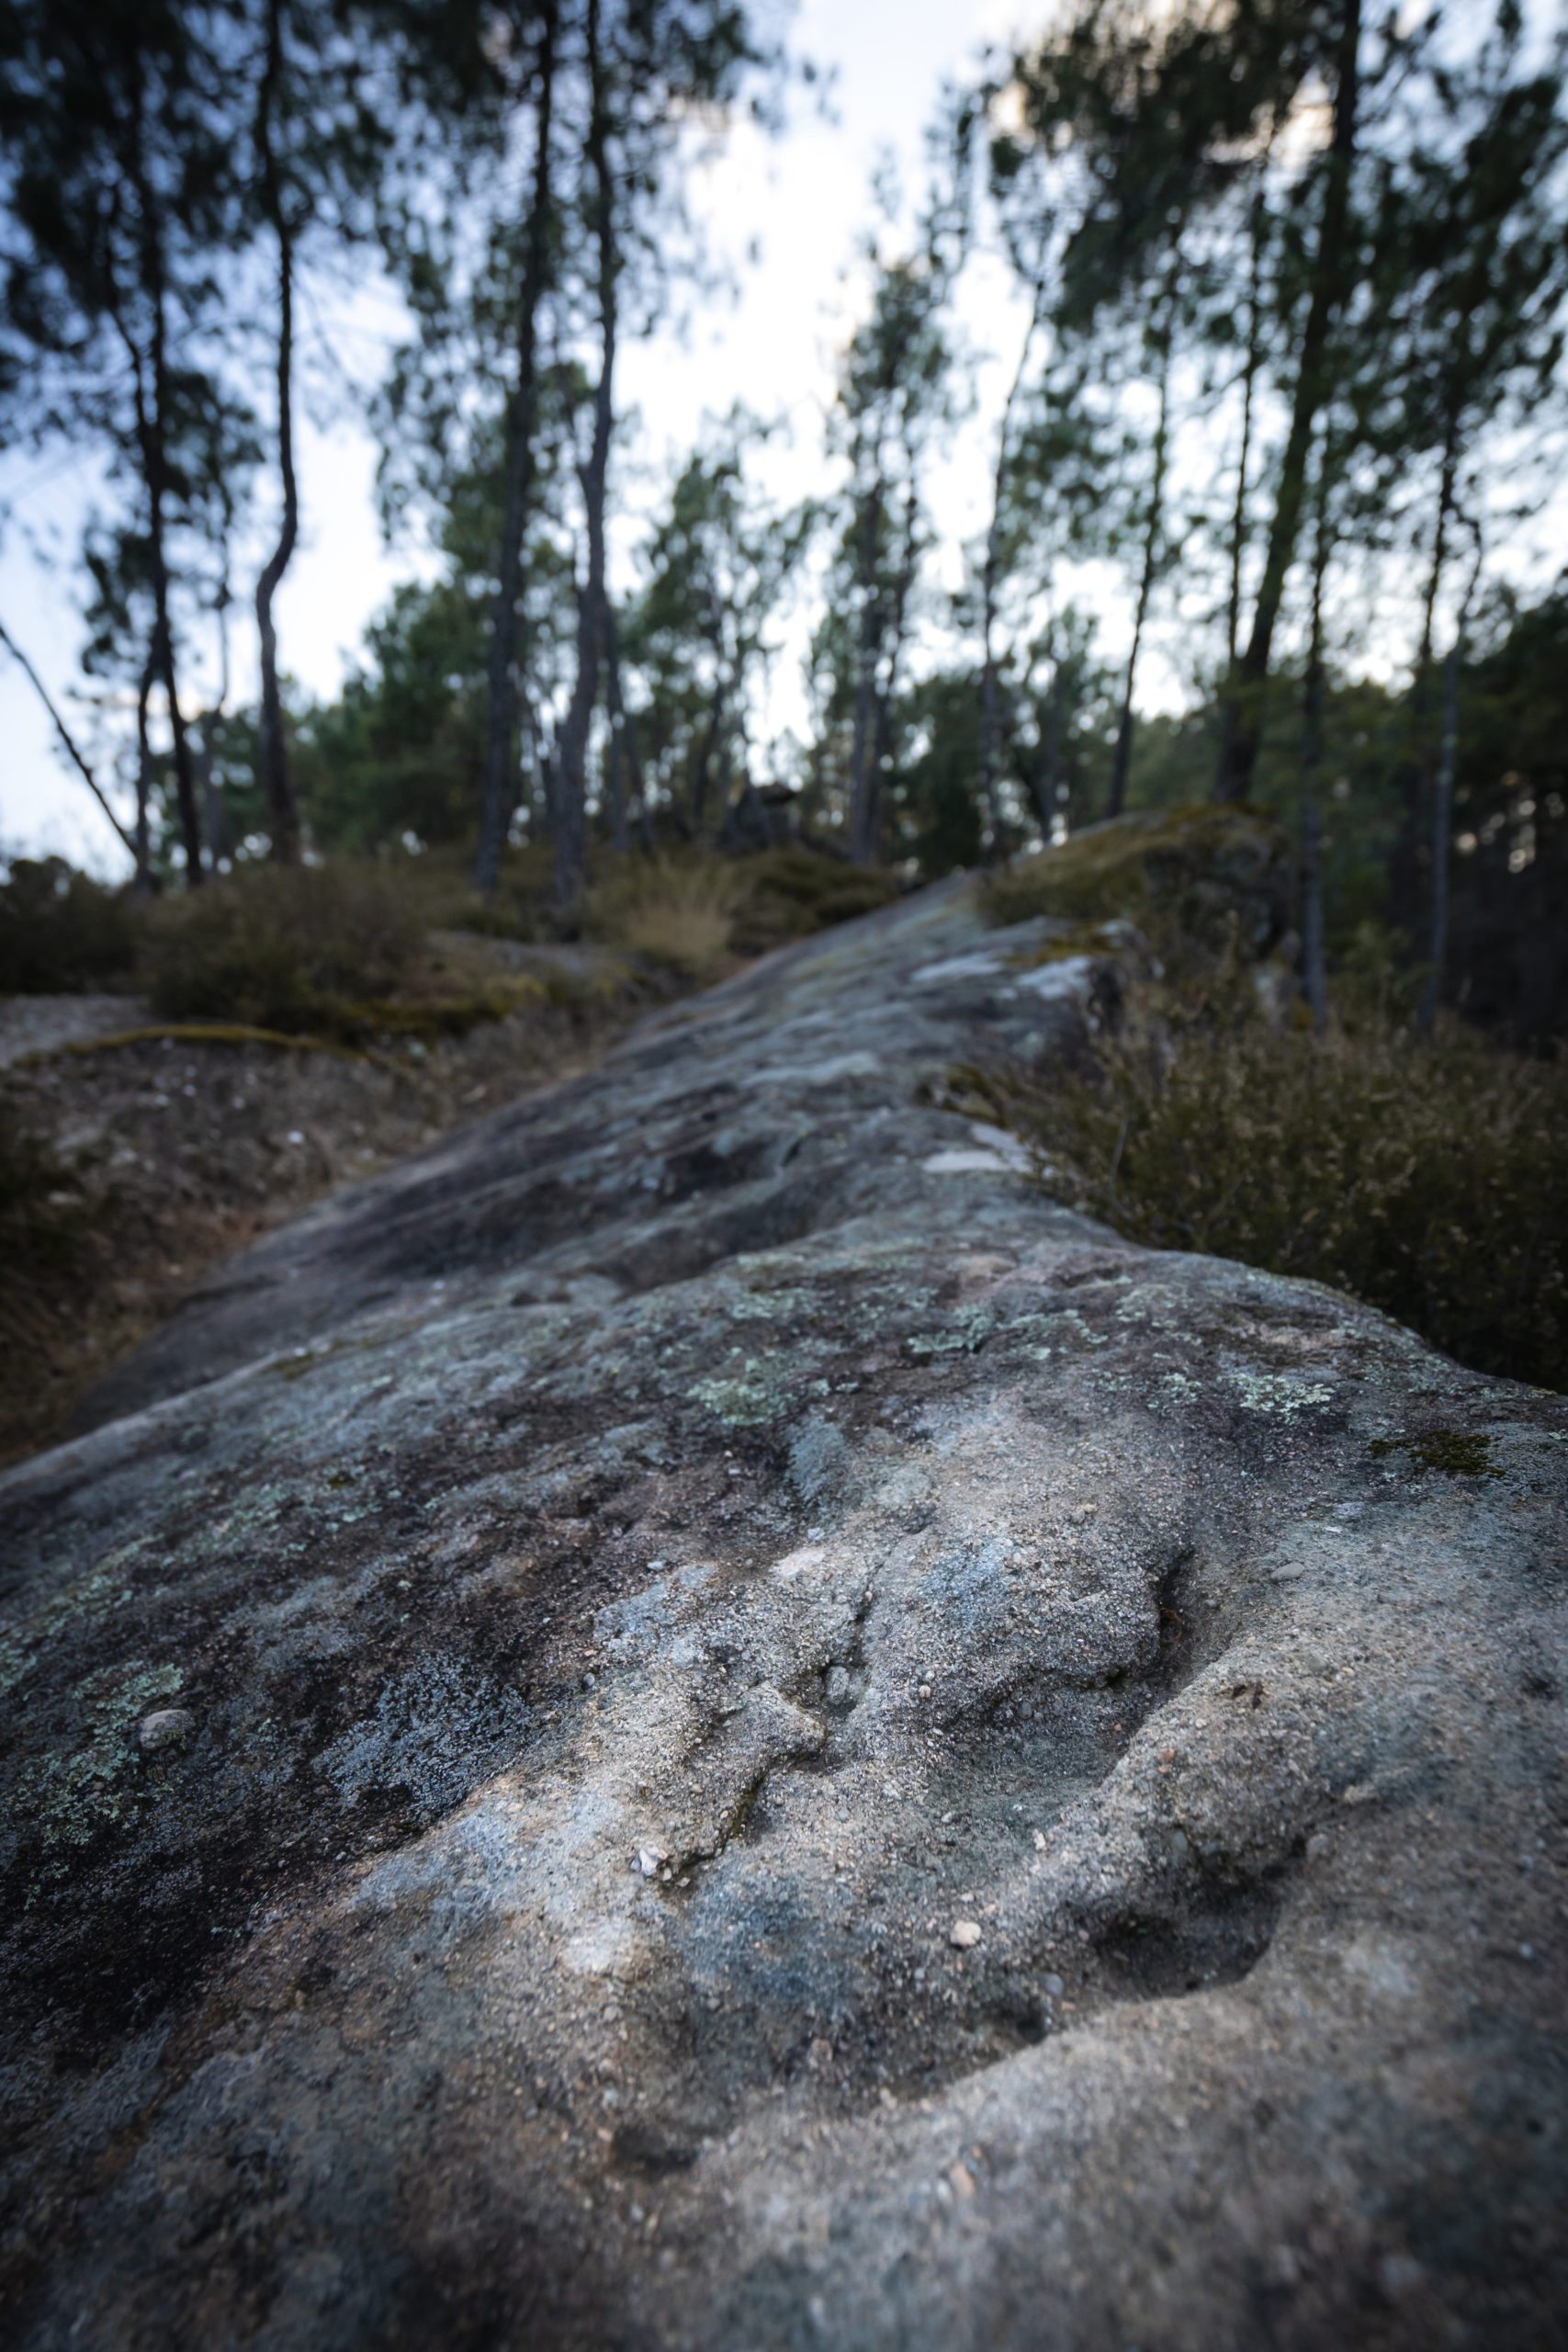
<point>296,948</point>
<point>793,892</point>
<point>1430,1179</point>
<point>60,931</point>
<point>678,912</point>
<point>1190,878</point>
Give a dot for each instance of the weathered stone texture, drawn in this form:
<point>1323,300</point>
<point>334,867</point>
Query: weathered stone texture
<point>635,1578</point>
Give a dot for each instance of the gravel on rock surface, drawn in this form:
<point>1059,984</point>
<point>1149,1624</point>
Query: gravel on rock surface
<point>637,1580</point>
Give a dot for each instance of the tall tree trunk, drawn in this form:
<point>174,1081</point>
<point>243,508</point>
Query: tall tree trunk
<point>990,578</point>
<point>571,814</point>
<point>283,814</point>
<point>1443,808</point>
<point>151,409</point>
<point>862,741</point>
<point>881,745</point>
<point>1417,766</point>
<point>1314,971</point>
<point>1242,483</point>
<point>143,851</point>
<point>1249,680</point>
<point>498,778</point>
<point>1154,534</point>
<point>703,773</point>
<point>625,766</point>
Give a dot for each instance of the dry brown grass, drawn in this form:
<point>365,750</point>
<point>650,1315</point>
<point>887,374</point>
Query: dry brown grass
<point>678,912</point>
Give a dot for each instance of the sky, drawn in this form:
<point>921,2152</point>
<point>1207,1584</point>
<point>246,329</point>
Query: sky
<point>802,199</point>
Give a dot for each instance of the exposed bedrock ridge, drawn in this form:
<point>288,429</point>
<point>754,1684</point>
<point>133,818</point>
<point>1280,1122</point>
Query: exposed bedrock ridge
<point>764,1740</point>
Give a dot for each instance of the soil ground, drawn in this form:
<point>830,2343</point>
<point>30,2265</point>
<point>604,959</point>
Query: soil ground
<point>154,1151</point>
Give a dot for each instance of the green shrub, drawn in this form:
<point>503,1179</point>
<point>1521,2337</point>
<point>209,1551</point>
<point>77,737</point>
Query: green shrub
<point>296,948</point>
<point>793,892</point>
<point>62,931</point>
<point>1191,879</point>
<point>1430,1179</point>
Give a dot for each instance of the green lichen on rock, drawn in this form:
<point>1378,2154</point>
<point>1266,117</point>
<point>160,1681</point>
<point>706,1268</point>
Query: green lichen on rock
<point>69,1798</point>
<point>1455,1452</point>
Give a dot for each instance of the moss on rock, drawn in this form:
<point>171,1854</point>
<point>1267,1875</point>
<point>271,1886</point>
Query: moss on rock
<point>1206,873</point>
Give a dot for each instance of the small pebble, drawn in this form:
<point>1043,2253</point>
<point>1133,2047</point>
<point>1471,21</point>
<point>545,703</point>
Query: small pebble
<point>1055,1987</point>
<point>167,1728</point>
<point>964,1934</point>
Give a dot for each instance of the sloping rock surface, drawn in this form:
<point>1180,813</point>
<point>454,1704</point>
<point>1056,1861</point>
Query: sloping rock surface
<point>697,1721</point>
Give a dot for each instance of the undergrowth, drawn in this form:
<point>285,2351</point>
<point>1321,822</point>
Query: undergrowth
<point>281,948</point>
<point>60,932</point>
<point>678,912</point>
<point>1429,1178</point>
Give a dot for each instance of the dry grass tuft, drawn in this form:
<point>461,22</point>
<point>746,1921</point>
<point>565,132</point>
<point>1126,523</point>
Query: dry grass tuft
<point>676,913</point>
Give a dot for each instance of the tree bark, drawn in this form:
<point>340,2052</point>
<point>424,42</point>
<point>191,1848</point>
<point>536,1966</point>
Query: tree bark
<point>1315,972</point>
<point>571,814</point>
<point>1249,678</point>
<point>1416,767</point>
<point>1442,809</point>
<point>1243,479</point>
<point>143,851</point>
<point>990,684</point>
<point>1154,533</point>
<point>498,783</point>
<point>152,425</point>
<point>625,771</point>
<point>881,745</point>
<point>272,744</point>
<point>863,741</point>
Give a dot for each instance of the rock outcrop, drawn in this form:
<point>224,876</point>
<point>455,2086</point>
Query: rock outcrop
<point>698,1721</point>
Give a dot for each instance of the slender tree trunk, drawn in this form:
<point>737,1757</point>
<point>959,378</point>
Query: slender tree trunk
<point>625,767</point>
<point>499,779</point>
<point>1314,971</point>
<point>143,851</point>
<point>1249,680</point>
<point>72,750</point>
<point>150,415</point>
<point>1442,821</point>
<point>1154,535</point>
<point>1243,482</point>
<point>571,826</point>
<point>990,583</point>
<point>882,747</point>
<point>283,815</point>
<point>152,408</point>
<point>1417,768</point>
<point>703,773</point>
<point>863,741</point>
<point>1443,808</point>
